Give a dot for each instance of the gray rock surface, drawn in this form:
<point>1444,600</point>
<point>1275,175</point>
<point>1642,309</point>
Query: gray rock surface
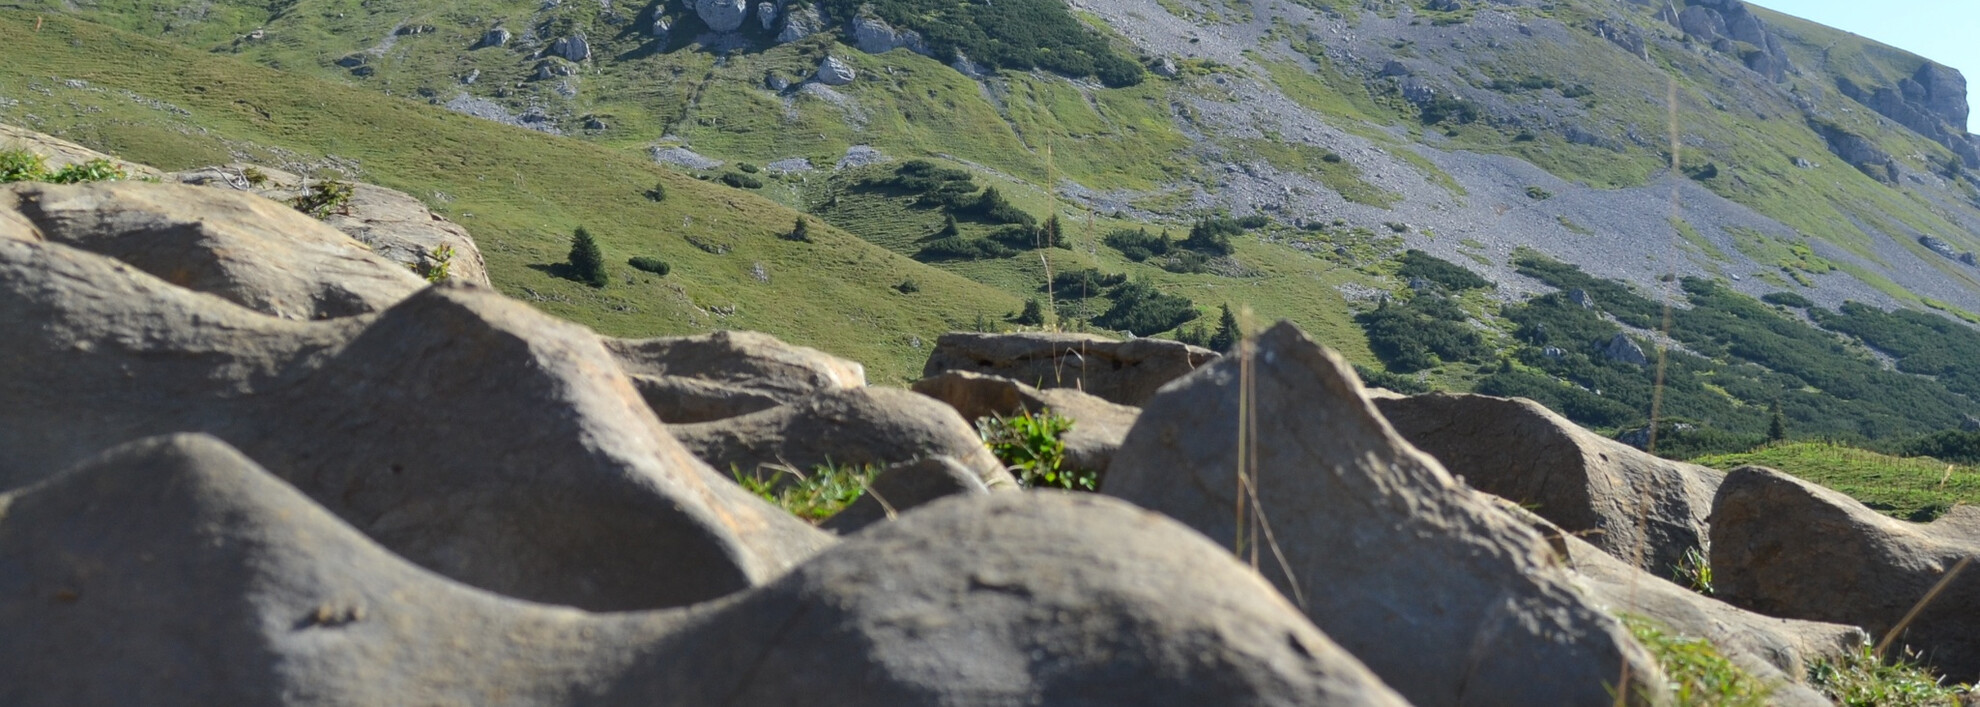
<point>253,252</point>
<point>392,223</point>
<point>497,37</point>
<point>722,15</point>
<point>874,36</point>
<point>728,373</point>
<point>802,21</point>
<point>1644,510</point>
<point>845,426</point>
<point>572,48</point>
<point>1785,547</point>
<point>766,13</point>
<point>1445,597</point>
<point>1624,349</point>
<point>465,431</point>
<point>1775,650</point>
<point>1098,426</point>
<point>174,571</point>
<point>906,485</point>
<point>834,71</point>
<point>1125,372</point>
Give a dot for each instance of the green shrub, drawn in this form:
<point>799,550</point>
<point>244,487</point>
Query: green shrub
<point>587,263</point>
<point>1034,449</point>
<point>814,497</point>
<point>652,265</point>
<point>1212,236</point>
<point>97,170</point>
<point>1007,34</point>
<point>1429,330</point>
<point>800,231</point>
<point>254,176</point>
<point>961,248</point>
<point>908,287</point>
<point>1444,107</point>
<point>1085,282</point>
<point>1697,673</point>
<point>435,266</point>
<point>657,193</point>
<point>1859,679</point>
<point>1538,194</point>
<point>324,198</point>
<point>1384,379</point>
<point>1137,244</point>
<point>1787,299</point>
<point>748,168</point>
<point>1033,314</point>
<point>1417,264</point>
<point>25,166</point>
<point>1140,308</point>
<point>742,181</point>
<point>991,207</point>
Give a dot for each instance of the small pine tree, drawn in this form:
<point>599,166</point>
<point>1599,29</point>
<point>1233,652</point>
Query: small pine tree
<point>1051,235</point>
<point>587,262</point>
<point>1227,331</point>
<point>1777,425</point>
<point>949,227</point>
<point>801,231</point>
<point>1033,314</point>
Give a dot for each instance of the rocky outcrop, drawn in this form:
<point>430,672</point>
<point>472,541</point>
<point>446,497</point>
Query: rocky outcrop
<point>1438,592</point>
<point>496,37</point>
<point>874,36</point>
<point>391,223</point>
<point>1730,27</point>
<point>1623,349</point>
<point>253,252</point>
<point>1777,651</point>
<point>402,423</point>
<point>847,426</point>
<point>1097,429</point>
<point>722,15</point>
<point>1125,372</point>
<point>1931,102</point>
<point>573,48</point>
<point>1859,152</point>
<point>1642,509</point>
<point>766,13</point>
<point>176,571</point>
<point>800,22</point>
<point>728,373</point>
<point>834,71</point>
<point>1785,547</point>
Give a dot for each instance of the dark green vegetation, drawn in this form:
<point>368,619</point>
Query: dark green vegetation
<point>1418,265</point>
<point>324,198</point>
<point>1861,679</point>
<point>1697,672</point>
<point>813,496</point>
<point>1140,308</point>
<point>1427,330</point>
<point>24,166</point>
<point>1031,446</point>
<point>652,265</point>
<point>587,264</point>
<point>1007,34</point>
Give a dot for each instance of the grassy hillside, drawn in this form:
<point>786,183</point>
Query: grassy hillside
<point>1916,489</point>
<point>520,193</point>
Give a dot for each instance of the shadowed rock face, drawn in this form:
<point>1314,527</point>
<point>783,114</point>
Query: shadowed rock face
<point>1444,596</point>
<point>465,431</point>
<point>1124,372</point>
<point>1785,547</point>
<point>714,376</point>
<point>174,570</point>
<point>1642,509</point>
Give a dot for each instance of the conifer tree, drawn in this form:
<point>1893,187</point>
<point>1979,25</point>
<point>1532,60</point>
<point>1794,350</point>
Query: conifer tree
<point>801,231</point>
<point>1227,331</point>
<point>587,262</point>
<point>1777,425</point>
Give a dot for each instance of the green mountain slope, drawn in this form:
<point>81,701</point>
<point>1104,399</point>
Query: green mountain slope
<point>519,192</point>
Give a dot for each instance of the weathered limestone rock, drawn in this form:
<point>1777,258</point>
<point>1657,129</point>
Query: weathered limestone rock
<point>874,36</point>
<point>1098,426</point>
<point>802,21</point>
<point>1785,547</point>
<point>1125,372</point>
<point>728,373</point>
<point>572,48</point>
<point>496,37</point>
<point>61,153</point>
<point>174,571</point>
<point>392,223</point>
<point>462,430</point>
<point>253,252</point>
<point>1777,651</point>
<point>1642,509</point>
<point>857,426</point>
<point>722,15</point>
<point>834,71</point>
<point>1445,597</point>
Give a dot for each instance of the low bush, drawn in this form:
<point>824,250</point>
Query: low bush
<point>1145,311</point>
<point>962,248</point>
<point>324,198</point>
<point>25,166</point>
<point>1034,449</point>
<point>813,496</point>
<point>1427,331</point>
<point>1417,264</point>
<point>1787,299</point>
<point>652,265</point>
<point>742,181</point>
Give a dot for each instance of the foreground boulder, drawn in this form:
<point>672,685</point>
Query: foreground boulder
<point>248,250</point>
<point>1125,372</point>
<point>728,373</point>
<point>468,432</point>
<point>1643,509</point>
<point>1785,547</point>
<point>1777,651</point>
<point>848,426</point>
<point>1097,429</point>
<point>394,224</point>
<point>175,571</point>
<point>1445,597</point>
